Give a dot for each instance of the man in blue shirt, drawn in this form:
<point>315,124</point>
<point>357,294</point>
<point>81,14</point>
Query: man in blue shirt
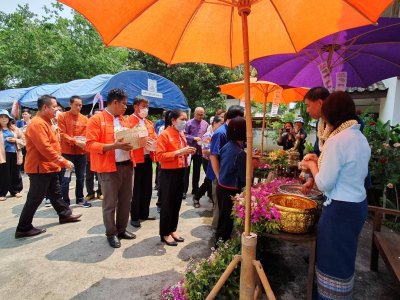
<point>218,140</point>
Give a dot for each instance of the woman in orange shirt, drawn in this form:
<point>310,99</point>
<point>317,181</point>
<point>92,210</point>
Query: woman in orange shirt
<point>173,155</point>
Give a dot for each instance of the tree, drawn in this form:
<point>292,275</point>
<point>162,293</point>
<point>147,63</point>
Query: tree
<point>52,49</point>
<point>197,81</point>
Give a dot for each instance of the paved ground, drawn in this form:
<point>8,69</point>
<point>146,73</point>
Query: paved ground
<point>75,260</point>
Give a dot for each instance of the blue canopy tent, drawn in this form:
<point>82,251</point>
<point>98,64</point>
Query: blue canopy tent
<point>7,97</point>
<point>85,88</point>
<point>30,98</point>
<point>161,92</point>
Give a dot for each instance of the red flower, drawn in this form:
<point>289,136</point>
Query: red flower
<point>372,123</point>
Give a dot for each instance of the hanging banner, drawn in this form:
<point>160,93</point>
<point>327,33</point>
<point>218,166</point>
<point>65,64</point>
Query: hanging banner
<point>96,99</point>
<point>275,102</point>
<point>341,81</point>
<point>15,109</point>
<point>326,76</point>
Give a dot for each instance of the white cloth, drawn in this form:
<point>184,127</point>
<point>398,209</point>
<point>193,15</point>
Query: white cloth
<point>120,155</point>
<point>344,166</point>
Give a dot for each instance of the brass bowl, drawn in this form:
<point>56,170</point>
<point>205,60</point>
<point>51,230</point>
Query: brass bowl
<point>298,214</point>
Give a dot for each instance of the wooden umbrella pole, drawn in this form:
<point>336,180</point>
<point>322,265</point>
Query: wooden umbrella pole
<point>249,241</point>
<point>263,124</point>
<point>243,12</point>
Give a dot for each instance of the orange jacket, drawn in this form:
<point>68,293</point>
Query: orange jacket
<point>99,132</point>
<point>71,126</point>
<point>138,154</point>
<point>167,143</point>
<point>43,151</point>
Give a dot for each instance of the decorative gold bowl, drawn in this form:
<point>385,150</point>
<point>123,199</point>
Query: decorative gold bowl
<point>298,214</point>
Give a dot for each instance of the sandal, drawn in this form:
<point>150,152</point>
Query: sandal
<point>196,203</point>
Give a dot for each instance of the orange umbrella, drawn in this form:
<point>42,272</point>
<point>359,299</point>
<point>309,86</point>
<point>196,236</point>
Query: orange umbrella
<point>263,92</point>
<point>216,31</point>
<point>210,31</point>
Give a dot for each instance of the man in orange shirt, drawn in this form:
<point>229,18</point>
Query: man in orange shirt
<point>142,187</point>
<point>72,125</point>
<point>42,164</point>
<point>112,160</point>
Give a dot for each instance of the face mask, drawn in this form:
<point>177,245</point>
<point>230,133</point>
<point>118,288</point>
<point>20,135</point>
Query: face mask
<point>180,125</point>
<point>144,112</point>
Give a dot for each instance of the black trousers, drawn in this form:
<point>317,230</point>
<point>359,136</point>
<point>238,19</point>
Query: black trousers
<point>157,172</point>
<point>225,204</point>
<point>142,190</point>
<point>196,160</point>
<point>89,180</point>
<point>171,188</point>
<point>41,185</point>
<point>10,175</point>
<point>206,186</point>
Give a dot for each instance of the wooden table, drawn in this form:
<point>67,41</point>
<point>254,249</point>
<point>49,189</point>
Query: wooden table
<point>307,239</point>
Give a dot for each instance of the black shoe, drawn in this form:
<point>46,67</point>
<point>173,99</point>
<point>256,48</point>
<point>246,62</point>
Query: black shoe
<point>34,231</point>
<point>178,239</point>
<point>184,196</point>
<point>168,243</point>
<point>127,235</point>
<point>114,241</point>
<point>70,218</point>
<point>136,223</point>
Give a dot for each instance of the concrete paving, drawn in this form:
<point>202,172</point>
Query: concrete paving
<point>74,261</point>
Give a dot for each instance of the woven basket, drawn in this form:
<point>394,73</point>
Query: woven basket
<point>298,214</point>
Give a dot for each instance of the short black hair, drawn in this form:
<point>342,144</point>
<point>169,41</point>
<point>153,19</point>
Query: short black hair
<point>116,94</point>
<point>72,99</point>
<point>172,114</point>
<point>26,110</point>
<point>44,100</point>
<point>139,99</point>
<point>317,93</point>
<point>291,124</point>
<point>237,129</point>
<point>234,111</point>
<point>338,108</point>
<point>216,119</point>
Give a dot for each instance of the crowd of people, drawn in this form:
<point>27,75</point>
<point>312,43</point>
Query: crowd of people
<point>56,145</point>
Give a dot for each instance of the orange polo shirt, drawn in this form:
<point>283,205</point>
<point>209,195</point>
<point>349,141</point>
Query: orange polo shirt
<point>138,154</point>
<point>70,126</point>
<point>43,151</point>
<point>99,132</point>
<point>168,142</point>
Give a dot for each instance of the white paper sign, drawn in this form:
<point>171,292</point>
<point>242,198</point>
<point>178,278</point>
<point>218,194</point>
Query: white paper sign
<point>152,89</point>
<point>341,81</point>
<point>326,76</point>
<point>275,102</point>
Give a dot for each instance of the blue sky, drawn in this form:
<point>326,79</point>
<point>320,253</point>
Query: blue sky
<point>35,6</point>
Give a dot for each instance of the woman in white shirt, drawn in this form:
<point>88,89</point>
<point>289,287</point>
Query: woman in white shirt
<point>340,172</point>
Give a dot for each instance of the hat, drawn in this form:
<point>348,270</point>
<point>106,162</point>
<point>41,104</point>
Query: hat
<point>6,113</point>
<point>299,120</point>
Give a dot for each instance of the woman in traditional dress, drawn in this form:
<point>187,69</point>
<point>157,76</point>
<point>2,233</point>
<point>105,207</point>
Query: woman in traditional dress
<point>340,172</point>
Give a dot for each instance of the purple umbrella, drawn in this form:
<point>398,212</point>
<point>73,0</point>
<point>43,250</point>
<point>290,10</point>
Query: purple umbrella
<point>368,54</point>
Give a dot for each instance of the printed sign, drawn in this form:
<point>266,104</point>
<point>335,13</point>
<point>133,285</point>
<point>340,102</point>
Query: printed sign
<point>326,76</point>
<point>341,81</point>
<point>275,102</point>
<point>152,90</point>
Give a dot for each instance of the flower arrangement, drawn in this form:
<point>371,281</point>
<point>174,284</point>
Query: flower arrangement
<point>264,216</point>
<point>277,158</point>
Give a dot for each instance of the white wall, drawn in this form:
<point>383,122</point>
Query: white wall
<point>390,107</point>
